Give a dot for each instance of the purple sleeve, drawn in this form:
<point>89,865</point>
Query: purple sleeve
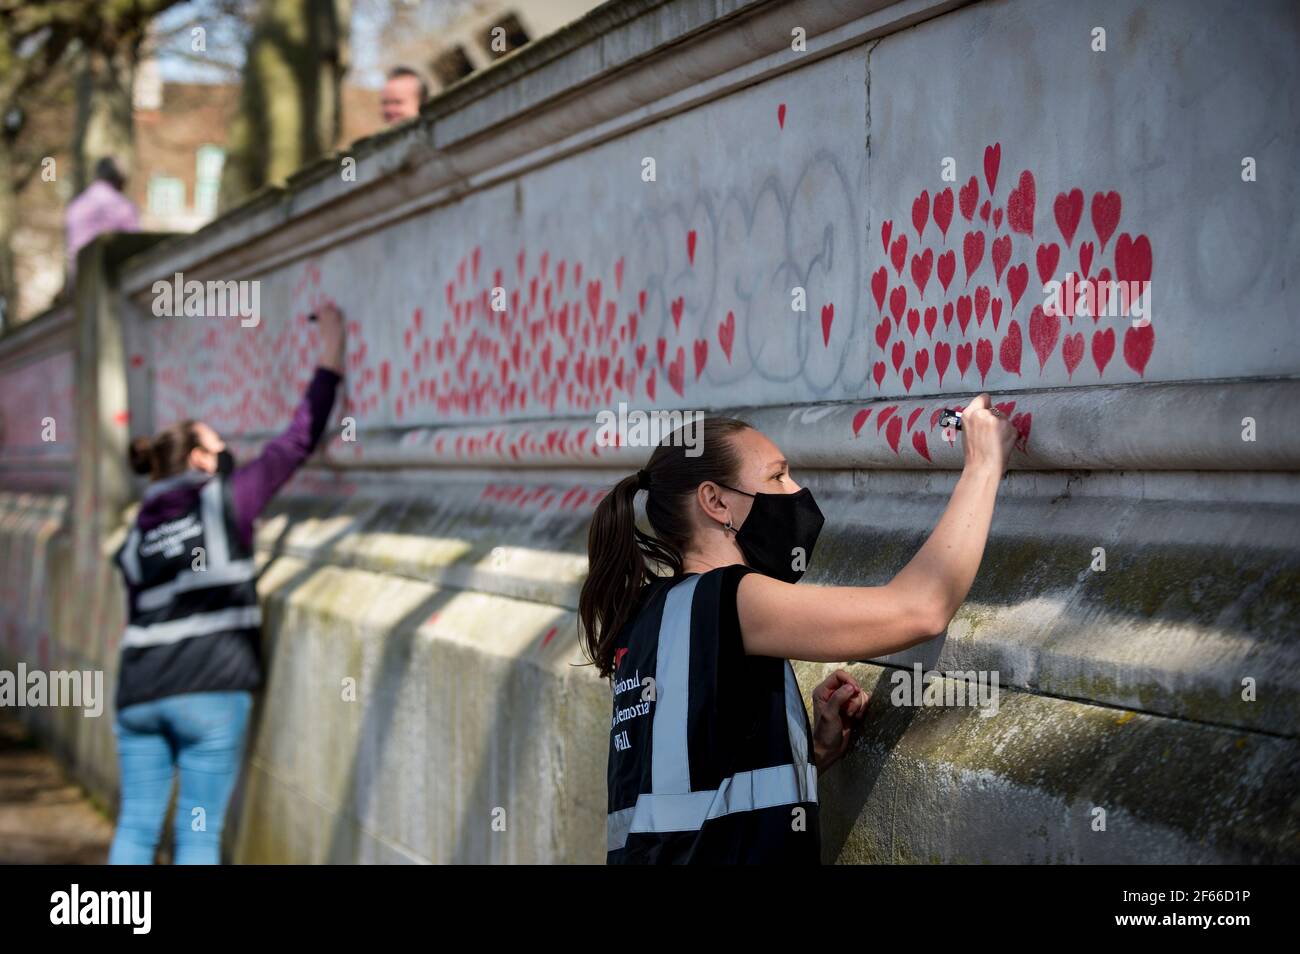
<point>255,483</point>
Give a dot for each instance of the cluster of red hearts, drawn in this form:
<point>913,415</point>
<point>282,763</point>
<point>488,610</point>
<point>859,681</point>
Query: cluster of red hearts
<point>994,285</point>
<point>557,334</point>
<point>239,380</point>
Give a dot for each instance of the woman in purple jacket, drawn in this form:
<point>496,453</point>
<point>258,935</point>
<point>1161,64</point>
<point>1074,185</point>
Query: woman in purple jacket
<point>190,652</point>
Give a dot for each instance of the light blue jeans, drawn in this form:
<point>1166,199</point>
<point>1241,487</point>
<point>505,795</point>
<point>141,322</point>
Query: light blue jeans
<point>202,734</point>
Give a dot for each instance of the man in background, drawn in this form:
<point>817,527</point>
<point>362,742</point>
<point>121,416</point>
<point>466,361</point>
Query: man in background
<point>403,93</point>
<point>101,207</point>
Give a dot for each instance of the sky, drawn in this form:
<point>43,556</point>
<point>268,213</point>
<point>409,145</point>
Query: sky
<point>225,37</point>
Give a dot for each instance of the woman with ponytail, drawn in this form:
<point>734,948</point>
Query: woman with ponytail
<point>711,756</point>
<point>190,658</point>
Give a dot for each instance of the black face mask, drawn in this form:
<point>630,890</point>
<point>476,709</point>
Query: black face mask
<point>225,462</point>
<point>780,532</point>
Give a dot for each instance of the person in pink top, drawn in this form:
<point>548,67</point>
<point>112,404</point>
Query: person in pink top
<point>101,207</point>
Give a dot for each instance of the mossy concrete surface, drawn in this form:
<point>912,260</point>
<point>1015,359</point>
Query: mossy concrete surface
<point>426,699</point>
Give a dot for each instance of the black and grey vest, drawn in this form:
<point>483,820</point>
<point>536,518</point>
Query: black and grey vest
<point>710,749</point>
<point>193,616</point>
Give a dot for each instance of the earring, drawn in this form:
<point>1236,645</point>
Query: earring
<point>728,526</point>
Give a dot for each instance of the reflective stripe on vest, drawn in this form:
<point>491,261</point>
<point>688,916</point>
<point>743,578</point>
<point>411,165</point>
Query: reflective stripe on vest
<point>196,624</point>
<point>670,805</point>
<point>219,571</point>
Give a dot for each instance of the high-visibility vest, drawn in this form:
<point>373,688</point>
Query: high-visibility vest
<point>710,749</point>
<point>193,618</point>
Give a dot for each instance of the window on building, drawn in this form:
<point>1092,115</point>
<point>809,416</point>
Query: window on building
<point>166,196</point>
<point>452,64</point>
<point>503,35</point>
<point>207,179</point>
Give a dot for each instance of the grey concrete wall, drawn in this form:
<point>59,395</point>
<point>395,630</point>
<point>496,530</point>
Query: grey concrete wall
<point>434,563</point>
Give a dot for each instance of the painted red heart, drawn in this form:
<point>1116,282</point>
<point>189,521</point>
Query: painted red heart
<point>1022,423</point>
<point>1017,282</point>
<point>882,331</point>
<point>1049,256</point>
<point>983,357</point>
<point>879,285</point>
<point>1138,343</point>
<point>943,211</point>
<point>898,303</point>
<point>913,321</point>
<point>1001,255</point>
<point>727,334</point>
<point>995,308</point>
<point>963,312</point>
<point>992,159</point>
<point>897,353</point>
<point>985,209</point>
<point>1069,210</point>
<point>1020,205</point>
<point>942,355</point>
<point>972,247</point>
<point>997,218</point>
<point>893,431</point>
<point>701,356</point>
<point>690,246</point>
<point>1103,347</point>
<point>649,384</point>
<point>947,268</point>
<point>898,254</point>
<point>878,372</point>
<point>885,414</point>
<point>947,314</point>
<point>931,319</point>
<point>1010,349</point>
<point>968,197</point>
<point>677,306</point>
<point>1044,330</point>
<point>859,419</point>
<point>907,379</point>
<point>1072,349</point>
<point>640,355</point>
<point>922,364</point>
<point>921,267</point>
<point>919,442</point>
<point>920,212</point>
<point>1085,257</point>
<point>1101,287</point>
<point>886,230</point>
<point>1105,215</point>
<point>780,115</point>
<point>677,372</point>
<point>964,354</point>
<point>661,347</point>
<point>828,316</point>
<point>1133,258</point>
<point>981,303</point>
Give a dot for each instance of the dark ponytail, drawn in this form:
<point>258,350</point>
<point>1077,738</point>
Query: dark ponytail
<point>618,550</point>
<point>166,454</point>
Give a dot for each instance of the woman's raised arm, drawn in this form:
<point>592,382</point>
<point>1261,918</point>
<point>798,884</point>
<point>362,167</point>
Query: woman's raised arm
<point>835,623</point>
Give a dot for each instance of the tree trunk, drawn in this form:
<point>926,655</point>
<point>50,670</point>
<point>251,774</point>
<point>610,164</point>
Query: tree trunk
<point>8,222</point>
<point>289,105</point>
<point>105,124</point>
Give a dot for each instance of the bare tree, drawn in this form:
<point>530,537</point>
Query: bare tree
<point>42,46</point>
<point>289,110</point>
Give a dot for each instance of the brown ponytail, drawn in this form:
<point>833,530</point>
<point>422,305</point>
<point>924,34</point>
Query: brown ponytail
<point>166,454</point>
<point>618,550</point>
